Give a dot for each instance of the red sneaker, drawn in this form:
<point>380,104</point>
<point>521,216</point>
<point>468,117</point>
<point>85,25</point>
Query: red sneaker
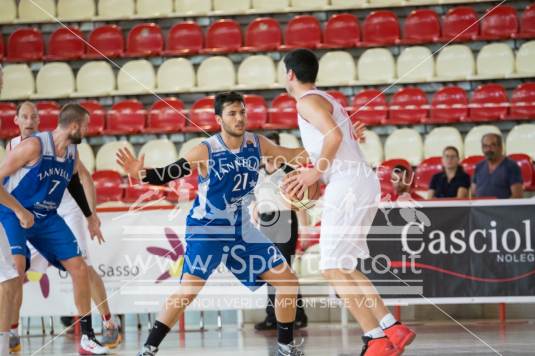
<point>400,335</point>
<point>379,347</point>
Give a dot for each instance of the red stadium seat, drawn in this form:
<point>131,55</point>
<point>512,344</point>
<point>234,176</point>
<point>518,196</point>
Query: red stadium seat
<point>144,39</point>
<point>283,113</point>
<point>97,117</point>
<point>449,104</point>
<point>108,186</point>
<point>370,107</point>
<point>48,115</point>
<point>66,44</point>
<point>489,102</point>
<point>184,38</point>
<point>263,34</point>
<point>166,116</point>
<point>523,102</point>
<point>426,170</point>
<point>460,24</point>
<point>223,36</point>
<point>339,97</point>
<point>527,23</point>
<point>381,28</point>
<point>105,41</point>
<point>257,111</point>
<point>469,164</point>
<point>526,167</point>
<point>421,26</point>
<point>25,44</point>
<point>1,48</point>
<point>8,128</point>
<point>126,117</point>
<point>341,31</point>
<point>202,116</point>
<point>302,31</point>
<point>135,192</point>
<point>408,106</point>
<point>384,173</point>
<point>500,22</point>
<point>183,189</point>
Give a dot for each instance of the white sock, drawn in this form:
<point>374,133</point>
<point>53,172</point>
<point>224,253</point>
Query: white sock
<point>4,343</point>
<point>375,333</point>
<point>387,321</point>
<point>14,332</point>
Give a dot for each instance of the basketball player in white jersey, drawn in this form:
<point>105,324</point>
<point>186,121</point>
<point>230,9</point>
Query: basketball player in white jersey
<point>327,136</point>
<point>27,119</point>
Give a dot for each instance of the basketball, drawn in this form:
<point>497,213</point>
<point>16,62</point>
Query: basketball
<point>307,200</point>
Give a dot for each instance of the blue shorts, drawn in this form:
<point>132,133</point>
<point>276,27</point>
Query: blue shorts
<point>247,253</point>
<point>50,236</point>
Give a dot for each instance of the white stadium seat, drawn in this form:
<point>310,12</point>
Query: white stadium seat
<point>116,9</point>
<point>72,10</point>
<point>136,76</point>
<point>189,144</point>
<point>18,82</point>
<point>95,78</point>
<point>376,65</point>
<point>176,74</point>
<point>193,7</point>
<point>106,156</point>
<point>281,73</point>
<point>309,4</point>
<point>151,8</point>
<point>455,62</point>
<point>406,144</point>
<point>348,3</point>
<point>9,11</point>
<point>440,138</point>
<point>257,71</point>
<point>521,139</point>
<point>158,153</point>
<point>55,80</point>
<point>372,148</point>
<point>415,64</point>
<point>37,10</point>
<point>525,57</point>
<point>271,5</point>
<point>216,73</point>
<point>2,153</point>
<point>472,141</point>
<point>288,140</point>
<point>495,60</point>
<point>234,6</point>
<point>337,68</point>
<point>385,2</point>
<point>87,156</point>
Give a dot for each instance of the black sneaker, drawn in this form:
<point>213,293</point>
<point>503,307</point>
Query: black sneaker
<point>266,325</point>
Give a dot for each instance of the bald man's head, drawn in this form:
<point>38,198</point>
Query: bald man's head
<point>27,119</point>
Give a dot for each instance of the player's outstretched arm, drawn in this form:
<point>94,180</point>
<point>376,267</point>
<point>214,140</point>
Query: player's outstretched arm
<point>281,155</point>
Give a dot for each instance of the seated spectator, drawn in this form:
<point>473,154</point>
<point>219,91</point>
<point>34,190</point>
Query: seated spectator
<point>453,181</point>
<point>402,179</point>
<point>496,176</point>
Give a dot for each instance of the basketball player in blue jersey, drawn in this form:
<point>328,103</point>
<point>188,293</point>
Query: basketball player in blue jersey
<point>219,228</point>
<point>35,175</point>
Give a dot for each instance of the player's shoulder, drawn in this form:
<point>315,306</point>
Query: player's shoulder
<point>313,101</point>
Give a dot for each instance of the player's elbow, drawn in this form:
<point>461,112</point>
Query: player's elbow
<point>335,136</point>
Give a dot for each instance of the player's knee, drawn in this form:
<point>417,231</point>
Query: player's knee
<point>20,265</point>
<point>77,269</point>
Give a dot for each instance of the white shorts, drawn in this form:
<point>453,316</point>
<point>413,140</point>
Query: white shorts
<point>7,265</point>
<point>77,222</point>
<point>349,207</point>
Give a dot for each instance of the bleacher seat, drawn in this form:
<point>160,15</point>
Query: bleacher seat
<point>25,44</point>
<point>303,31</point>
<point>421,26</point>
<point>525,162</point>
<point>125,117</point>
<point>48,115</point>
<point>449,105</point>
<point>370,107</point>
<point>527,23</point>
<point>408,106</point>
<point>348,3</point>
<point>18,82</point>
<point>158,153</point>
<point>500,22</point>
<point>495,60</point>
<point>525,58</point>
<point>116,9</point>
<point>202,116</point>
<point>189,145</point>
<point>263,34</point>
<point>308,4</point>
<point>223,36</point>
<point>257,111</point>
<point>150,8</point>
<point>37,10</point>
<point>55,80</point>
<point>184,38</point>
<point>97,117</point>
<point>175,74</point>
<point>257,71</point>
<point>216,73</point>
<point>469,163</point>
<point>193,7</point>
<point>341,31</point>
<point>108,185</point>
<point>136,193</point>
<point>76,10</point>
<point>1,48</point>
<point>9,11</point>
<point>523,102</point>
<point>166,116</point>
<point>425,172</point>
<point>406,144</point>
<point>144,39</point>
<point>66,43</point>
<point>8,128</point>
<point>489,102</point>
<point>2,154</point>
<point>340,98</point>
<point>234,6</point>
<point>372,148</point>
<point>136,76</point>
<point>384,173</point>
<point>87,157</point>
<point>288,140</point>
<point>336,68</point>
<point>460,24</point>
<point>282,113</point>
<point>472,140</point>
<point>281,73</point>
<point>440,138</point>
<point>521,139</point>
<point>380,28</point>
<point>415,64</point>
<point>376,65</point>
<point>105,41</point>
<point>455,62</point>
<point>385,2</point>
<point>106,156</point>
<point>95,78</point>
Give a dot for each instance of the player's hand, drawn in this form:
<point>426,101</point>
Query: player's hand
<point>358,131</point>
<point>93,225</point>
<point>26,218</point>
<point>130,164</point>
<point>295,184</point>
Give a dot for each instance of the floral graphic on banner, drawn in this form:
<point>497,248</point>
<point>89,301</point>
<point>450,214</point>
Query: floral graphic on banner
<point>175,254</point>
